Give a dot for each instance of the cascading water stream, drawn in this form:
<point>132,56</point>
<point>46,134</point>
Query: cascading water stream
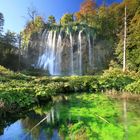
<point>52,58</point>
<point>46,60</point>
<point>71,54</point>
<point>43,59</point>
<point>58,55</point>
<point>80,52</point>
<point>43,38</point>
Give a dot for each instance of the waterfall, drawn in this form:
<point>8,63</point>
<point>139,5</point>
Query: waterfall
<point>89,51</point>
<point>43,58</point>
<point>51,58</point>
<point>44,37</point>
<point>52,54</point>
<point>80,52</point>
<point>71,54</point>
<point>46,60</point>
<point>58,55</point>
<point>55,46</point>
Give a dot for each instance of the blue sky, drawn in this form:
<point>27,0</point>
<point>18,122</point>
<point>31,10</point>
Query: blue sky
<point>15,11</point>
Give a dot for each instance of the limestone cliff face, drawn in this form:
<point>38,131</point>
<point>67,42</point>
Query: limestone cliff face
<point>64,53</point>
<point>102,54</point>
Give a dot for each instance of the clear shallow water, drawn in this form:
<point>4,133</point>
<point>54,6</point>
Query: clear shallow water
<point>77,117</point>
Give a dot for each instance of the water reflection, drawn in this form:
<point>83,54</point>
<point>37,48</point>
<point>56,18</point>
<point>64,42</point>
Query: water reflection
<point>125,118</point>
<point>80,117</point>
<point>35,126</point>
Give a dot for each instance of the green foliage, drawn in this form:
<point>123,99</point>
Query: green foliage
<point>133,87</point>
<point>35,72</point>
<point>10,75</point>
<point>10,38</point>
<point>51,20</point>
<point>105,23</point>
<point>109,24</point>
<point>66,19</point>
<point>1,22</point>
<point>32,27</point>
<point>133,35</point>
<point>15,92</point>
<point>83,83</point>
<point>71,27</point>
<point>115,79</point>
<point>8,56</point>
<point>133,50</point>
<point>4,71</point>
<point>20,97</point>
<point>29,89</point>
<point>9,52</point>
<point>50,89</point>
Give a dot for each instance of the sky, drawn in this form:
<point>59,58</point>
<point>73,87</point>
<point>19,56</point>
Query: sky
<point>15,11</point>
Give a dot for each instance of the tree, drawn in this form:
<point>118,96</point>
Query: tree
<point>10,38</point>
<point>1,22</point>
<point>32,13</point>
<point>8,50</point>
<point>67,18</point>
<point>32,27</point>
<point>133,36</point>
<point>124,47</point>
<point>87,11</point>
<point>133,42</point>
<point>51,19</point>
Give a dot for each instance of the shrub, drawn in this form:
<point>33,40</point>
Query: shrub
<point>115,79</point>
<point>133,87</point>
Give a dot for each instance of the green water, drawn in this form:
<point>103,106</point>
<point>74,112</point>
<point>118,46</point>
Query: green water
<point>77,117</point>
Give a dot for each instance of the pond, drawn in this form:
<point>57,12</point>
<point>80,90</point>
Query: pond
<point>76,117</point>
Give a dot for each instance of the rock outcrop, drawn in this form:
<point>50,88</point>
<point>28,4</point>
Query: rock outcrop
<point>68,53</point>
